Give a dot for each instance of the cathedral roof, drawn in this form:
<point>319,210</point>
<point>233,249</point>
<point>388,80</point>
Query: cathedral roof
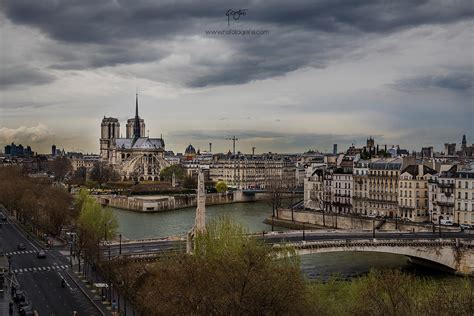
<point>140,143</point>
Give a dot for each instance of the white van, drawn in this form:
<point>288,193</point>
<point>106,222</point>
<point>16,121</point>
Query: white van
<point>446,222</point>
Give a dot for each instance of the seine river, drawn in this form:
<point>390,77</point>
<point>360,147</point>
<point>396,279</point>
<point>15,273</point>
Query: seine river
<point>317,266</point>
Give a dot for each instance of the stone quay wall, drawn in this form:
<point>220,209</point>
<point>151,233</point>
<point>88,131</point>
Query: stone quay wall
<point>160,203</point>
<point>352,222</point>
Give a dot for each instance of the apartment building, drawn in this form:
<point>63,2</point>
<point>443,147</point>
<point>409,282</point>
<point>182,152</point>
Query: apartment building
<point>383,186</point>
<point>360,184</point>
<point>342,186</point>
<point>441,195</point>
<point>413,192</point>
<point>254,172</point>
<point>464,196</point>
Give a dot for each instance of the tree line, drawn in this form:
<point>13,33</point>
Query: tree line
<point>231,273</point>
<point>36,202</point>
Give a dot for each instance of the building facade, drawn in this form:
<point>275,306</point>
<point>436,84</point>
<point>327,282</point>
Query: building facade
<point>360,183</point>
<point>137,158</point>
<point>254,172</point>
<point>464,196</point>
<point>413,193</point>
<point>383,186</point>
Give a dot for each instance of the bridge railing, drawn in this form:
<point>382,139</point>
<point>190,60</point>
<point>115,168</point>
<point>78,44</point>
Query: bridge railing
<point>458,242</point>
<point>141,241</point>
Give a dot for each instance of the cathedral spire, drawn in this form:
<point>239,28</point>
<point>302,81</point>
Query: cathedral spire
<point>136,123</point>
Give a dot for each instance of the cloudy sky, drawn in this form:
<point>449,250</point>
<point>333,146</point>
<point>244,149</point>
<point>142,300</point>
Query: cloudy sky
<point>325,72</point>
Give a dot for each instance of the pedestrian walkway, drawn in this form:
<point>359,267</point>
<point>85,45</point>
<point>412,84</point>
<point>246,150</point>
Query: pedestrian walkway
<point>20,252</point>
<point>90,292</point>
<point>39,269</point>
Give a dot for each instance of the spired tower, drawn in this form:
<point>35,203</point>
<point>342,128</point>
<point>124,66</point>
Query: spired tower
<point>130,128</point>
<point>109,131</point>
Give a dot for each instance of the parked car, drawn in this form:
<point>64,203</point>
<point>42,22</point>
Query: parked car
<point>465,226</point>
<point>446,222</point>
<point>4,218</point>
<point>21,246</point>
<point>41,254</point>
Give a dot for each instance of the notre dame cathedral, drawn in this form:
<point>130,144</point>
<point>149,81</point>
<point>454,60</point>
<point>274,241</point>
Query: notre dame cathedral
<point>136,157</point>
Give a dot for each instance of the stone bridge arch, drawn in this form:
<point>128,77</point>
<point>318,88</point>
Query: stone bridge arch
<point>456,255</point>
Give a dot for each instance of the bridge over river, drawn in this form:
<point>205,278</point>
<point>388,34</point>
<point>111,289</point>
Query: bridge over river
<point>453,250</point>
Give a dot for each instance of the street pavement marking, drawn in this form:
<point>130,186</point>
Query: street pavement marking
<point>19,252</point>
<point>40,269</point>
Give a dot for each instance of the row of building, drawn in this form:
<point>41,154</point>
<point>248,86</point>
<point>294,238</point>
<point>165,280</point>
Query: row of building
<point>409,188</point>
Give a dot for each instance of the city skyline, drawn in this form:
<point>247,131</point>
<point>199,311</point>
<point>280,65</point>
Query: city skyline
<point>324,74</point>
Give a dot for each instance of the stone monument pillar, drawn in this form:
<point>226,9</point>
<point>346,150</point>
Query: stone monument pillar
<point>200,221</point>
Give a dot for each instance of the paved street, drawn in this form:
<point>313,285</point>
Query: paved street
<point>40,278</point>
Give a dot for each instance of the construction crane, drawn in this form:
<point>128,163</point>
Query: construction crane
<point>233,139</point>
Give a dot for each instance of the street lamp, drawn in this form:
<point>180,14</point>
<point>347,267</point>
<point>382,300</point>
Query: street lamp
<point>120,244</point>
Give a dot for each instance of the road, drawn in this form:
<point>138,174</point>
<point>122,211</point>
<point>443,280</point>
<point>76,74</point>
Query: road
<point>276,237</point>
<point>40,279</point>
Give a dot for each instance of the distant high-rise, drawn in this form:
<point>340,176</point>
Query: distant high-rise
<point>334,149</point>
<point>464,142</point>
<point>53,150</point>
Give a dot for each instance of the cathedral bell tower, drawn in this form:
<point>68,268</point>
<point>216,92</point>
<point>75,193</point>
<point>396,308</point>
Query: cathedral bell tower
<point>109,131</point>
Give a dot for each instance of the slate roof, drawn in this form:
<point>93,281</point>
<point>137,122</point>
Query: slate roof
<point>140,143</point>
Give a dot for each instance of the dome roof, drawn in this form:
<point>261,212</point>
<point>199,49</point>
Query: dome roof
<point>190,150</point>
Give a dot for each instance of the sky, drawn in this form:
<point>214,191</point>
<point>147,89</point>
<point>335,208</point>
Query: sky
<point>319,72</point>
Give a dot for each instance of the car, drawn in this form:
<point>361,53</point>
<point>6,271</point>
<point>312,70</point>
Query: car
<point>4,218</point>
<point>21,246</point>
<point>465,226</point>
<point>41,254</point>
<point>446,222</point>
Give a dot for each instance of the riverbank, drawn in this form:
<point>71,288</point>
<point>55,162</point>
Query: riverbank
<point>161,203</point>
<point>297,218</point>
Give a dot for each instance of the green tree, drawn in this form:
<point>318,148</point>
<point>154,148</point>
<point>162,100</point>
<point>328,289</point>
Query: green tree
<point>167,173</point>
<point>221,187</point>
<point>229,274</point>
<point>93,224</point>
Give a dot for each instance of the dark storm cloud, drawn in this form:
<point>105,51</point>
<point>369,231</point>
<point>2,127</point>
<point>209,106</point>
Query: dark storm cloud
<point>302,33</point>
<point>11,76</point>
<point>457,82</point>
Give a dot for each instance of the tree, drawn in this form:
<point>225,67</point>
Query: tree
<point>94,223</point>
<point>79,176</point>
<point>230,273</point>
<point>57,204</point>
<point>167,173</point>
<point>60,167</point>
<point>189,182</point>
<point>221,187</point>
<point>102,173</point>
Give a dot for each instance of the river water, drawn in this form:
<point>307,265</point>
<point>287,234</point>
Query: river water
<point>134,225</point>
